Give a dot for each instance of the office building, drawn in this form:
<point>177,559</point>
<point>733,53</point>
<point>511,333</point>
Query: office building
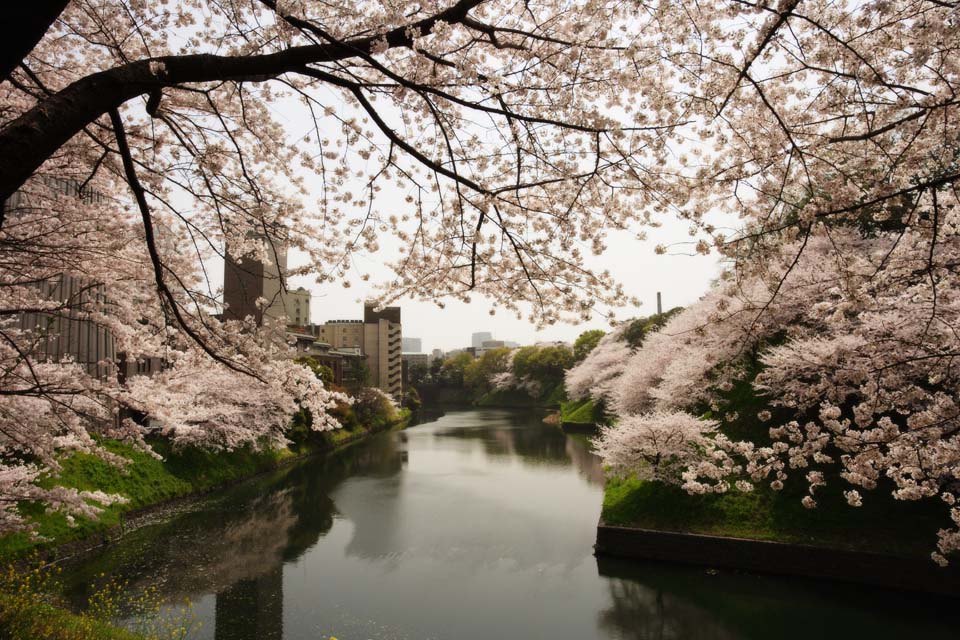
<point>382,342</point>
<point>378,337</point>
<point>412,345</point>
<point>479,337</point>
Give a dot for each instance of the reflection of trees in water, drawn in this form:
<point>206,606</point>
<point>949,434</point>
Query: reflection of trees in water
<point>251,609</point>
<point>584,460</point>
<point>244,534</point>
<point>529,441</point>
<point>202,552</point>
<point>639,612</point>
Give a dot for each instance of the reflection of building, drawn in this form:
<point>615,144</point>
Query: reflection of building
<point>412,345</point>
<point>479,337</point>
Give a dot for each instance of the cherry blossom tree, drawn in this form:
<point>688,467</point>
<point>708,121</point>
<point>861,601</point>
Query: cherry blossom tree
<point>517,135</point>
<point>847,340</point>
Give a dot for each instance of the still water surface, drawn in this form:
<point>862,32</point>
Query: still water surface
<point>479,525</point>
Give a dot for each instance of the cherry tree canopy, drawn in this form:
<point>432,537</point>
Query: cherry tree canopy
<point>499,141</point>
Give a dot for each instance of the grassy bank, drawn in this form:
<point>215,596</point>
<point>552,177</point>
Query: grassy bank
<point>40,620</point>
<point>881,525</point>
<point>148,481</point>
<point>581,412</point>
<point>36,613</point>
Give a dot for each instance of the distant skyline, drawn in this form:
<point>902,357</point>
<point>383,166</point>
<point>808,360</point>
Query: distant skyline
<point>681,278</point>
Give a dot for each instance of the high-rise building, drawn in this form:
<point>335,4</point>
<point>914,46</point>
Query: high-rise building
<point>297,303</point>
<point>480,337</point>
<point>246,279</point>
<point>379,337</point>
<point>67,331</point>
<point>382,342</point>
<point>412,345</point>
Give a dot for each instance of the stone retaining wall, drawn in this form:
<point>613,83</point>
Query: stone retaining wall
<point>917,574</point>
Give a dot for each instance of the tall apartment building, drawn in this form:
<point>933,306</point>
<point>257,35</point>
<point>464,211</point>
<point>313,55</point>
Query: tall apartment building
<point>383,341</point>
<point>247,279</point>
<point>297,304</point>
<point>378,336</point>
<point>68,333</point>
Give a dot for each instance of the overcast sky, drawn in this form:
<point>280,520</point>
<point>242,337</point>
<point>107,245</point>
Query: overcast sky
<point>680,276</point>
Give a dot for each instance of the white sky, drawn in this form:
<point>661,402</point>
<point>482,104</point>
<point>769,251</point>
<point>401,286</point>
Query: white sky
<point>682,278</point>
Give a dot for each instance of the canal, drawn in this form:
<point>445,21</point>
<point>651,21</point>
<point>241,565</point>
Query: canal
<point>478,525</point>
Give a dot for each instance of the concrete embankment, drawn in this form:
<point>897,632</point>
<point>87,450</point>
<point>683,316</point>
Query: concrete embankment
<point>760,556</point>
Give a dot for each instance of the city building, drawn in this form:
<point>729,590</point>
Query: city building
<point>412,345</point>
<point>377,338</point>
<point>298,307</point>
<point>246,279</point>
<point>479,337</point>
<point>436,354</point>
<point>490,344</point>
<point>340,334</point>
<point>416,359</point>
<point>67,332</point>
<point>413,361</point>
<point>382,342</point>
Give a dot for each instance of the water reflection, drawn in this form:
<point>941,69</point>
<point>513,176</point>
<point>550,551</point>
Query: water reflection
<point>479,525</point>
<point>251,608</point>
<point>656,601</point>
<point>236,543</point>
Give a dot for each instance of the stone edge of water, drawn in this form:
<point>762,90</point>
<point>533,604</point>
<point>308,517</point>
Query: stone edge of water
<point>779,558</point>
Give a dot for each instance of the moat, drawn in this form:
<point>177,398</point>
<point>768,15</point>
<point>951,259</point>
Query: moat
<point>478,525</point>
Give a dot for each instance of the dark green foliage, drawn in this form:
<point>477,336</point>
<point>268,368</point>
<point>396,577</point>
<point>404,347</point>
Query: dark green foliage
<point>452,370</point>
<point>322,371</point>
<point>411,399</point>
<point>374,409</point>
<point>418,374</point>
<point>585,343</point>
<point>640,327</point>
<point>479,372</point>
<point>882,524</point>
<point>546,365</point>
